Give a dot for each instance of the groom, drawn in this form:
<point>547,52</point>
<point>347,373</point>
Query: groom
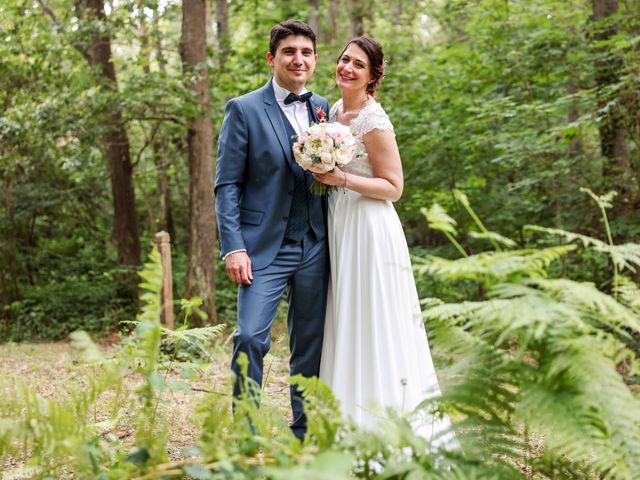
<point>272,230</point>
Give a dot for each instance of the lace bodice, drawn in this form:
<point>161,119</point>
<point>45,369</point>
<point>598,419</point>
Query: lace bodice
<point>372,116</point>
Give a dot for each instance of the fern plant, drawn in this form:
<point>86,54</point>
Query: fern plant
<point>60,437</point>
<point>536,372</point>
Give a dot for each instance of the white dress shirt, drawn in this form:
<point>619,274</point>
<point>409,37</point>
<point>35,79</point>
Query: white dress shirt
<point>297,114</point>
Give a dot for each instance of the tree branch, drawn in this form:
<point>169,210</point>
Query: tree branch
<point>48,12</point>
<point>149,140</point>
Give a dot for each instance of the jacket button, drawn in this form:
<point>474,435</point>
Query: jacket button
<point>285,218</point>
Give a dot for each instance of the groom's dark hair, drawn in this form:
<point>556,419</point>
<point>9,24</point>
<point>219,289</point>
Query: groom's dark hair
<point>290,27</point>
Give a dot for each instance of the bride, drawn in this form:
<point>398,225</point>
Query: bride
<point>375,351</point>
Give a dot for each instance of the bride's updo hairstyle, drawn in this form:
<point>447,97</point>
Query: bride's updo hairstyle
<point>376,60</point>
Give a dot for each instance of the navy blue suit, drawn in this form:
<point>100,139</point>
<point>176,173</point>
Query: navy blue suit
<point>261,194</point>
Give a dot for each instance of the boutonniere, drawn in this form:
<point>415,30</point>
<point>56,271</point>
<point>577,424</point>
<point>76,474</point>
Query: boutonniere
<point>322,115</point>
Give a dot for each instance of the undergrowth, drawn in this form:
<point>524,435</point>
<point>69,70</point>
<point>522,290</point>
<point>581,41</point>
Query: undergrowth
<point>537,384</point>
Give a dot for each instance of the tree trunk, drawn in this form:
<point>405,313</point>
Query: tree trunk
<point>356,19</point>
<point>222,29</point>
<point>575,146</point>
<point>10,251</point>
<point>202,232</point>
<point>159,147</point>
<point>614,138</point>
<point>165,222</point>
<point>332,15</point>
<point>396,13</point>
<point>158,40</point>
<point>145,57</point>
<point>359,11</point>
<point>145,50</point>
<point>209,22</point>
<point>6,296</point>
<point>116,142</point>
<point>314,16</point>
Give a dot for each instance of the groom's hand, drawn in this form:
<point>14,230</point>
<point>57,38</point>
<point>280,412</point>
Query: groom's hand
<point>239,268</point>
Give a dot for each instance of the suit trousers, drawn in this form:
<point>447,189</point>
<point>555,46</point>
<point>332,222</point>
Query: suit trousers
<point>302,268</point>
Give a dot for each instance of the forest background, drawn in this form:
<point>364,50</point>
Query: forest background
<point>111,109</point>
<point>518,123</point>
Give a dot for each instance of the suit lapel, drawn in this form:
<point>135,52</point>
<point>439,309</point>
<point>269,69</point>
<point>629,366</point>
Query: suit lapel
<point>275,118</point>
<point>314,111</point>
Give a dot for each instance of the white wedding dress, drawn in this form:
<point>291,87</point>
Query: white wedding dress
<point>375,353</point>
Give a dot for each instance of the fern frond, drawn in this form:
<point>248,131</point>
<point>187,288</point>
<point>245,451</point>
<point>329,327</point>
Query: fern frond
<point>624,256</point>
<point>585,411</point>
<point>52,430</point>
<point>193,339</point>
<point>628,293</point>
<point>494,238</point>
<point>494,266</point>
<point>603,201</point>
<point>438,219</point>
<point>324,420</point>
<point>593,305</point>
<point>542,354</point>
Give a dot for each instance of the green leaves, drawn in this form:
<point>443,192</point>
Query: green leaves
<point>438,219</point>
<point>537,360</point>
<point>139,456</point>
<point>327,465</point>
<point>495,266</point>
<point>198,472</point>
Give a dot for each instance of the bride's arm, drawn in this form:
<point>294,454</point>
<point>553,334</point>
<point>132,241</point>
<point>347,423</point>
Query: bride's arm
<point>387,182</point>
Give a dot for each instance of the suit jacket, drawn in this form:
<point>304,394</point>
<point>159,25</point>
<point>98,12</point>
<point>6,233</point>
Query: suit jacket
<point>254,181</point>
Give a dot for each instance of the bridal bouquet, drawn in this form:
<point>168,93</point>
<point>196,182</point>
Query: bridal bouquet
<point>323,146</point>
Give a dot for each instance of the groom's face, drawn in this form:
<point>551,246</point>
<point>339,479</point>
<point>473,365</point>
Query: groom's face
<point>293,62</point>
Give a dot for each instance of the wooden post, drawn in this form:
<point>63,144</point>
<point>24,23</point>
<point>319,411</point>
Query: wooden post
<point>164,246</point>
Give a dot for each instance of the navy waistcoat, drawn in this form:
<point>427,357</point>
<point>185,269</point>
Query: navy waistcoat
<point>306,208</point>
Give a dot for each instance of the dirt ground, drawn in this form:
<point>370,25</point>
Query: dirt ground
<point>52,369</point>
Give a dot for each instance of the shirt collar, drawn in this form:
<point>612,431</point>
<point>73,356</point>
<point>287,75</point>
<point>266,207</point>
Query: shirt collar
<point>281,92</point>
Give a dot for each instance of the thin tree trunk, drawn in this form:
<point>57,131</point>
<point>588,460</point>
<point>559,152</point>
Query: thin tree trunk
<point>209,22</point>
<point>161,160</point>
<point>355,18</point>
<point>359,11</point>
<point>396,12</point>
<point>145,54</point>
<point>202,231</point>
<point>116,142</point>
<point>145,50</point>
<point>314,16</point>
<point>575,146</point>
<point>158,41</point>
<point>10,251</point>
<point>222,29</point>
<point>6,296</point>
<point>332,15</point>
<point>614,138</point>
<point>164,220</point>
<point>149,207</point>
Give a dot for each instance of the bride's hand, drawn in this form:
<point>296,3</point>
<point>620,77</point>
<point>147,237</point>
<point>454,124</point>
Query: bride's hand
<point>335,177</point>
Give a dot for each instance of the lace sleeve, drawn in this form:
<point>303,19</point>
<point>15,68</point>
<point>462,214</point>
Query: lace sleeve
<point>334,109</point>
<point>376,118</point>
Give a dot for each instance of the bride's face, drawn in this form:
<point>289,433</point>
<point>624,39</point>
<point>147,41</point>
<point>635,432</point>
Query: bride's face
<point>353,69</point>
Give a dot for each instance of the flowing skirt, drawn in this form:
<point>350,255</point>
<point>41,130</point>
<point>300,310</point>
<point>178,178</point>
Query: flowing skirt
<point>375,352</point>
